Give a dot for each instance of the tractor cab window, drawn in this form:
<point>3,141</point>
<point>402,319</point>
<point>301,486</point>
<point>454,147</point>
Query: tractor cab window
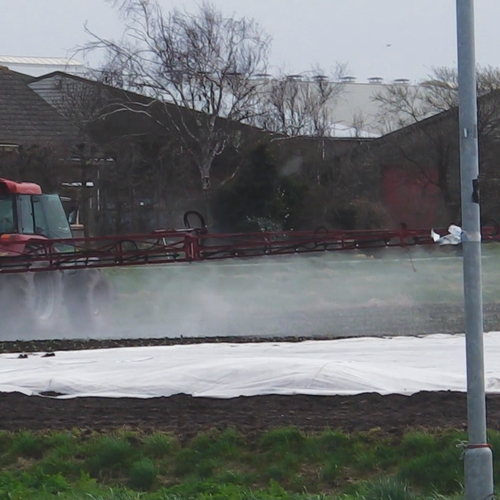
<point>49,217</point>
<point>7,216</point>
<point>25,214</point>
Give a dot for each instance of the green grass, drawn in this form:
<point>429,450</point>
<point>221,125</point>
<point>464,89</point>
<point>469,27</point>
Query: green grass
<point>281,463</point>
<point>158,445</point>
<point>29,445</point>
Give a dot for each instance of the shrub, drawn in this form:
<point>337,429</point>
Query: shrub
<point>28,445</point>
<point>109,453</point>
<point>142,475</point>
<point>417,443</point>
<point>440,472</point>
<point>288,439</point>
<point>159,445</point>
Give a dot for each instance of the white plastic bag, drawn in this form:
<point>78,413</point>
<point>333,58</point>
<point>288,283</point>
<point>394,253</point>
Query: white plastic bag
<point>453,238</point>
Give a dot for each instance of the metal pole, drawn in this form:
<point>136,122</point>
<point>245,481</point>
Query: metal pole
<point>478,457</point>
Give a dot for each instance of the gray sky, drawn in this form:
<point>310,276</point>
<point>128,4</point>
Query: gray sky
<point>387,38</point>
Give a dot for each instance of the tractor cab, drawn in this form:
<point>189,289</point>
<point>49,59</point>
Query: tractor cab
<point>25,210</point>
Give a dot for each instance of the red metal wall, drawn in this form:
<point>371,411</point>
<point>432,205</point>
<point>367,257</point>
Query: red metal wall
<point>411,197</point>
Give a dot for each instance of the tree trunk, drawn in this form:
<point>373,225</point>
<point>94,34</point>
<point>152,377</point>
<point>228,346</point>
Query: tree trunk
<point>207,198</point>
<point>206,183</point>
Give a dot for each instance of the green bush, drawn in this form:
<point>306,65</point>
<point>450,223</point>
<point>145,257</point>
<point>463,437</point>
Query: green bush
<point>61,440</point>
<point>189,462</point>
<point>47,483</point>
<point>228,444</point>
<point>56,463</point>
<point>159,445</point>
<point>438,471</point>
<point>283,469</point>
<point>334,441</point>
<point>186,462</point>
<point>284,440</point>
<point>29,445</point>
<point>142,475</point>
<point>109,453</point>
<point>417,443</point>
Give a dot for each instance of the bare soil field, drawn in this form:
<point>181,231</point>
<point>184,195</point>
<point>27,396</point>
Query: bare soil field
<point>186,416</point>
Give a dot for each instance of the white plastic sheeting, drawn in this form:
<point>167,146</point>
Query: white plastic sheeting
<point>453,238</point>
<point>401,365</point>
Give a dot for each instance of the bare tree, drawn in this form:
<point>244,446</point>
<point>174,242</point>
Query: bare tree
<point>402,104</point>
<point>197,68</point>
<point>44,164</point>
<point>300,105</point>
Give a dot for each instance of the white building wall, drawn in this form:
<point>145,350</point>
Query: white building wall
<point>38,66</point>
<point>50,89</point>
<point>354,111</point>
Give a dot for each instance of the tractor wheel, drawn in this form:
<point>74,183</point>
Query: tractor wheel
<point>30,303</point>
<point>48,299</point>
<point>16,305</point>
<point>89,296</point>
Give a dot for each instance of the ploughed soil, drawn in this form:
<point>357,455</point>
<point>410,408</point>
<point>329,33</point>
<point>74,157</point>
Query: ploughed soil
<point>186,416</point>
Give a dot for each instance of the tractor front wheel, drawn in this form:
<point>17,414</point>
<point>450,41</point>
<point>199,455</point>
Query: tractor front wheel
<point>30,303</point>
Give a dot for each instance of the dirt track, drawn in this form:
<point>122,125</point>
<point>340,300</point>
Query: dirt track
<point>185,416</point>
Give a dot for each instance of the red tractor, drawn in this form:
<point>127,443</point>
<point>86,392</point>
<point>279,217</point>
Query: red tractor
<point>36,300</point>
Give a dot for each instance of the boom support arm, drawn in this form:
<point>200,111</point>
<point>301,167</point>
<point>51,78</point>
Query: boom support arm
<point>193,245</point>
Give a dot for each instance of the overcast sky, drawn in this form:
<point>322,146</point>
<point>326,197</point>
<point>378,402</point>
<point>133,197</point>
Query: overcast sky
<point>387,38</point>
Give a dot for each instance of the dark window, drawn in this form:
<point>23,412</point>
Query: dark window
<point>25,209</point>
<point>7,215</point>
<point>50,218</point>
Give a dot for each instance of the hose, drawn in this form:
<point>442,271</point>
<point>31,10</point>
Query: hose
<point>200,217</point>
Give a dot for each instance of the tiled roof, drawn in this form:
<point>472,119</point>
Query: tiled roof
<point>26,119</point>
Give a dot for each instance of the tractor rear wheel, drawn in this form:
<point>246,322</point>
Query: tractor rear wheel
<point>48,299</point>
<point>89,295</point>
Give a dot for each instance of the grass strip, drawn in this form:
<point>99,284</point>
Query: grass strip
<point>282,463</point>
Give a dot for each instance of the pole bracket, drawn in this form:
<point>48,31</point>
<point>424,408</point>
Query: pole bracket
<point>475,191</point>
<point>476,446</point>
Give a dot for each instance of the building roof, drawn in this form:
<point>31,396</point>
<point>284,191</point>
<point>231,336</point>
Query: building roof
<point>27,119</point>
